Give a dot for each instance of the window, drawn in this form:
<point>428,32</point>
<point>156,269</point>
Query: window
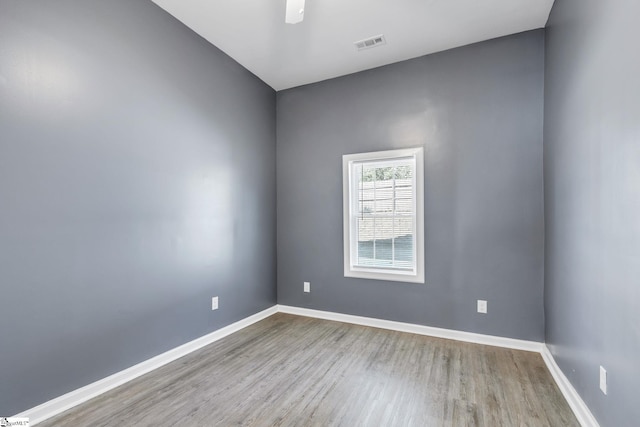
<point>383,215</point>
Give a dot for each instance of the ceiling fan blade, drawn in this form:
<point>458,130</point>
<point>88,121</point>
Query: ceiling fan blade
<point>295,11</point>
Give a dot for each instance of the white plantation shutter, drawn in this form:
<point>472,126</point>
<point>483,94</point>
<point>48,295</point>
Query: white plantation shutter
<point>383,215</point>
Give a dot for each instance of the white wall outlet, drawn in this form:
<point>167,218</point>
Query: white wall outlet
<point>214,303</point>
<point>307,287</point>
<point>603,380</point>
<point>482,306</point>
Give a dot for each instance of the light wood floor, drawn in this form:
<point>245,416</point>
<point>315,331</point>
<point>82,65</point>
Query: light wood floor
<point>296,371</point>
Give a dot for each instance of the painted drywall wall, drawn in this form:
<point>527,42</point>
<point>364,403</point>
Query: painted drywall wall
<point>592,201</point>
<point>137,180</point>
<point>478,111</point>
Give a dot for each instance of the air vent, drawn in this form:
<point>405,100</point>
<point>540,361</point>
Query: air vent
<point>370,42</point>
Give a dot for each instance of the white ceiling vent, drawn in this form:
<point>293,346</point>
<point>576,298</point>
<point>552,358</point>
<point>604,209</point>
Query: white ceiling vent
<point>370,42</point>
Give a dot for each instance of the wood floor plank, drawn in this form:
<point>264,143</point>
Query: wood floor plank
<point>295,371</point>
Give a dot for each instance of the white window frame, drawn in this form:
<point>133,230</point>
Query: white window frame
<point>349,182</point>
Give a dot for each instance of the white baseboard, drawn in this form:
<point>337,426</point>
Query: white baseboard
<point>417,329</point>
<point>62,403</point>
<point>579,408</point>
<point>81,395</point>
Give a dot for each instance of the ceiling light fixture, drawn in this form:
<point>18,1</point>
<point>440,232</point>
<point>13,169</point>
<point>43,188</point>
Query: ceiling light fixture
<point>295,11</point>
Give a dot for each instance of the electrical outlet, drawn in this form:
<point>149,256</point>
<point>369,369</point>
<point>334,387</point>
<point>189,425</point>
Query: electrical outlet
<point>214,303</point>
<point>603,380</point>
<point>482,306</point>
<point>307,287</point>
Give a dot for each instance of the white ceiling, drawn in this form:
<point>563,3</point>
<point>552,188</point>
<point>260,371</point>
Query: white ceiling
<point>253,32</point>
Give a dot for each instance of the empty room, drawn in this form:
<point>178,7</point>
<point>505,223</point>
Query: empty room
<point>319,213</point>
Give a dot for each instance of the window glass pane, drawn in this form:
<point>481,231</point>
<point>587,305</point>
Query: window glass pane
<point>365,240</point>
<point>384,205</point>
<point>384,242</point>
<point>366,191</point>
<point>368,173</point>
<point>404,206</point>
<point>403,242</point>
<point>366,207</point>
<point>404,172</point>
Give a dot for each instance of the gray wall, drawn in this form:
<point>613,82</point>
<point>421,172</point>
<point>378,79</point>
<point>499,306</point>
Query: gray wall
<point>137,180</point>
<point>592,201</point>
<point>478,111</point>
